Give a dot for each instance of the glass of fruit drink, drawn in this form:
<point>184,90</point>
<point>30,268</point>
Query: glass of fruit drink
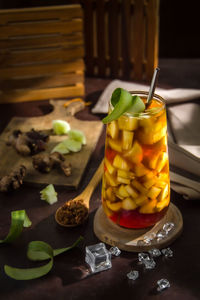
<point>135,186</point>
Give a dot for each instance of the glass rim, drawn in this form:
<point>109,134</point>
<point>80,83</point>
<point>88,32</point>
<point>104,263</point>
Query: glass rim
<point>147,113</point>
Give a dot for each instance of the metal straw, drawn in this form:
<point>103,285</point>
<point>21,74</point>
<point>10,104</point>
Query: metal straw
<point>152,86</point>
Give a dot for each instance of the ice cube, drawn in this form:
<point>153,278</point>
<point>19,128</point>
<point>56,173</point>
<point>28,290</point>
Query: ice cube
<point>167,252</point>
<point>162,284</point>
<point>142,256</point>
<point>115,251</point>
<point>154,252</point>
<point>152,235</point>
<point>98,257</point>
<point>161,234</point>
<point>140,243</point>
<point>147,240</point>
<point>167,227</point>
<point>149,264</point>
<point>133,275</point>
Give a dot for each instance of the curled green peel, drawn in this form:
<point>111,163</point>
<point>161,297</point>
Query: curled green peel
<point>19,219</point>
<point>122,101</point>
<point>38,251</point>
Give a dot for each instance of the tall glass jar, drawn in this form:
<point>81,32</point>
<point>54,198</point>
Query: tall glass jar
<point>136,185</point>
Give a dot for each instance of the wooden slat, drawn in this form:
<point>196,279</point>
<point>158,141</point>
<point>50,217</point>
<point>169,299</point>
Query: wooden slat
<point>42,94</point>
<point>89,35</point>
<point>100,8</point>
<point>139,38</point>
<point>6,73</point>
<point>40,13</point>
<point>125,38</point>
<point>40,56</point>
<point>70,40</point>
<point>34,28</point>
<point>152,36</point>
<point>113,37</point>
<point>42,82</point>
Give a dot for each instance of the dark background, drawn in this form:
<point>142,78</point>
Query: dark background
<point>179,24</point>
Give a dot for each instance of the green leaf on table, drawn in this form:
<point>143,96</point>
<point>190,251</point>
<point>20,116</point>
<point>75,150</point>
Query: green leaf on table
<point>122,101</point>
<point>38,251</point>
<point>19,219</point>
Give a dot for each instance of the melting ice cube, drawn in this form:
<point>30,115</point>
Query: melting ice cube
<point>115,251</point>
<point>149,264</point>
<point>154,252</point>
<point>98,257</point>
<point>162,284</point>
<point>167,227</point>
<point>133,275</point>
<point>167,252</point>
<point>142,256</point>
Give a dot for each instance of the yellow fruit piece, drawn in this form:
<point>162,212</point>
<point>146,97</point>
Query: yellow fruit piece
<point>123,180</point>
<point>153,192</point>
<point>109,166</point>
<point>110,179</point>
<point>112,129</point>
<point>139,186</point>
<point>141,200</point>
<point>127,123</point>
<point>152,162</point>
<point>149,183</point>
<point>114,206</point>
<point>160,184</point>
<point>140,170</point>
<point>122,192</point>
<point>162,160</point>
<point>163,176</point>
<point>149,207</point>
<point>115,145</point>
<point>162,204</point>
<point>146,122</point>
<point>151,137</point>
<point>125,174</point>
<point>127,139</point>
<point>110,195</point>
<point>131,191</point>
<point>129,204</point>
<point>162,144</point>
<point>106,209</point>
<point>164,193</point>
<point>135,154</point>
<point>120,163</point>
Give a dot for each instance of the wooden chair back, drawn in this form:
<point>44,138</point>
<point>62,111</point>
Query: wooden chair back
<point>121,38</point>
<point>41,53</point>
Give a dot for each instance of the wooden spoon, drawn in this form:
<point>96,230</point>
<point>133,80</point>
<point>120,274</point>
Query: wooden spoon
<point>81,201</point>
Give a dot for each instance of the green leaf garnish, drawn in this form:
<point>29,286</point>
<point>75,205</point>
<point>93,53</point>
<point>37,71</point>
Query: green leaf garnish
<point>49,194</point>
<point>19,219</point>
<point>123,101</point>
<point>37,251</point>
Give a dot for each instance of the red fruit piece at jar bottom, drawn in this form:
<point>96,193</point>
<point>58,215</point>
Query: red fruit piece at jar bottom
<point>134,219</point>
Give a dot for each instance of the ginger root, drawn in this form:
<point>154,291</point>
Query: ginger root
<point>45,162</point>
<point>28,143</point>
<point>14,180</point>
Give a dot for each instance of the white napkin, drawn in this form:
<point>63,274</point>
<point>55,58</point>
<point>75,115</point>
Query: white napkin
<point>184,133</point>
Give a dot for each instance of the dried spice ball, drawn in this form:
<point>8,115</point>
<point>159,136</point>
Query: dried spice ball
<point>72,213</point>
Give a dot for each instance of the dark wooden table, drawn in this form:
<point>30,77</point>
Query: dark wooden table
<point>69,277</point>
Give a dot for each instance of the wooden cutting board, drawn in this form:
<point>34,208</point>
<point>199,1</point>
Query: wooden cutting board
<point>9,158</point>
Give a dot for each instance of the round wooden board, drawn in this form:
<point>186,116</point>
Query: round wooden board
<point>126,239</point>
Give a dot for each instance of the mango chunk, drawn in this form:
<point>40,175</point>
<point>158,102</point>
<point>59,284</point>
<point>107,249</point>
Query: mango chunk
<point>149,207</point>
<point>163,176</point>
<point>162,204</point>
<point>110,179</point>
<point>153,192</point>
<point>136,184</point>
<point>115,145</point>
<point>129,204</point>
<point>114,206</point>
<point>135,154</point>
<point>141,200</point>
<point>122,192</point>
<point>149,183</point>
<point>123,180</point>
<point>127,123</point>
<point>162,160</point>
<point>125,174</point>
<point>113,130</point>
<point>106,209</point>
<point>110,195</point>
<point>120,163</point>
<point>151,137</point>
<point>140,170</point>
<point>164,193</point>
<point>109,166</point>
<point>127,139</point>
<point>131,191</point>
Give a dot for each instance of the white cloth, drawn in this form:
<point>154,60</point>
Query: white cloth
<point>184,131</point>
